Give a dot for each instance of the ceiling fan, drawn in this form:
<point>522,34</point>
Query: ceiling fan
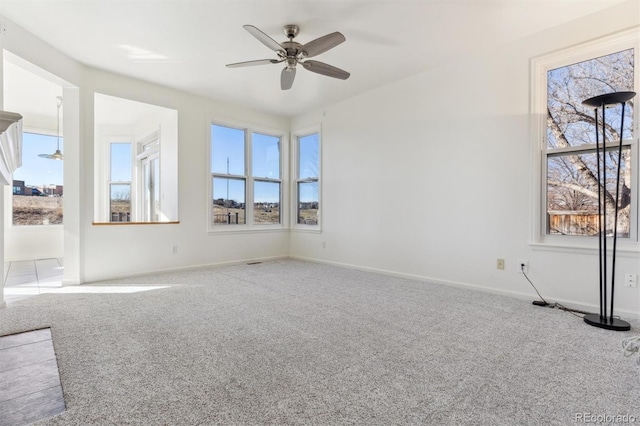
<point>294,53</point>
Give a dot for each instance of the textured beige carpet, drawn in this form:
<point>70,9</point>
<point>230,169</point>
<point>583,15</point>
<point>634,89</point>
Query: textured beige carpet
<point>290,342</point>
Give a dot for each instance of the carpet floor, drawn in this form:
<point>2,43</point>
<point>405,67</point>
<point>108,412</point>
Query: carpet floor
<point>291,342</point>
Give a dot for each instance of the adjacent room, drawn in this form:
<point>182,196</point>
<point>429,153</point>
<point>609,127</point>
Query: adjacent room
<point>319,212</point>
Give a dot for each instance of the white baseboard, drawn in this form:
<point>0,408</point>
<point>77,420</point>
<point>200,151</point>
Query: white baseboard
<point>185,268</point>
<point>516,294</point>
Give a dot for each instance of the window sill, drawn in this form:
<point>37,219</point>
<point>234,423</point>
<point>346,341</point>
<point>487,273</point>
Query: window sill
<point>31,227</point>
<point>624,248</point>
<point>133,223</point>
<point>234,229</point>
<point>308,229</point>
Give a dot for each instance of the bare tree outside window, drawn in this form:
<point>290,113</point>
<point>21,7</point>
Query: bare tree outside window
<point>572,181</point>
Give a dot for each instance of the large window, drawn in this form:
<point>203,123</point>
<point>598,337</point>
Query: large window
<point>245,165</point>
<point>308,179</point>
<point>569,168</point>
<point>37,184</point>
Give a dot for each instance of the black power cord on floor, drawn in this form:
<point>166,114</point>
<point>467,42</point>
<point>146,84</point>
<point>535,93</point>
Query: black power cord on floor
<point>543,302</point>
<point>630,345</point>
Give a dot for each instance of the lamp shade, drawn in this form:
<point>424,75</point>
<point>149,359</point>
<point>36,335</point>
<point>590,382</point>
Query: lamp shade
<point>10,145</point>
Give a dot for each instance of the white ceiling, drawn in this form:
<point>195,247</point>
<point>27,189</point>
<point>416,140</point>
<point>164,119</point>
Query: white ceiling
<point>185,44</point>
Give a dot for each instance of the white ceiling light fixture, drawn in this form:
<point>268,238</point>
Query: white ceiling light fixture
<point>56,155</point>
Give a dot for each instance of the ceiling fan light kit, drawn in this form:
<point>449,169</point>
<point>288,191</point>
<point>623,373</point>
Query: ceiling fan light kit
<point>294,53</point>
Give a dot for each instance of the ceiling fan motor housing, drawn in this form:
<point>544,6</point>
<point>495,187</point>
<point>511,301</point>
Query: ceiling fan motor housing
<point>292,48</point>
<point>291,31</point>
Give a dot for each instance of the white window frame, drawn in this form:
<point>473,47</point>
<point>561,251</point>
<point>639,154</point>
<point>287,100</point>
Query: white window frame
<point>146,157</point>
<point>255,179</point>
<point>539,68</point>
<point>249,225</point>
<point>120,141</point>
<point>295,164</point>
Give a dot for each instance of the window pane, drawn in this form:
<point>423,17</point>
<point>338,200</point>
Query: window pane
<point>569,122</point>
<point>228,201</point>
<point>309,156</point>
<point>572,193</point>
<point>121,162</point>
<point>37,184</point>
<point>308,203</point>
<point>120,202</point>
<point>266,206</point>
<point>227,150</point>
<point>266,156</point>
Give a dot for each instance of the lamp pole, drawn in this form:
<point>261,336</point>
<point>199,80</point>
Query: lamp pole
<point>606,319</point>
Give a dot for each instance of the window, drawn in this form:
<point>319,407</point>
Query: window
<point>136,161</point>
<point>266,178</point>
<point>37,184</point>
<point>228,175</point>
<point>569,187</point>
<point>120,182</point>
<point>148,159</point>
<point>245,165</point>
<point>308,179</point>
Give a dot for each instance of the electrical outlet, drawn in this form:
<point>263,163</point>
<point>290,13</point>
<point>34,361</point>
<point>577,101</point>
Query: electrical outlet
<point>324,244</point>
<point>630,280</point>
<point>174,250</point>
<point>524,268</point>
<point>500,264</point>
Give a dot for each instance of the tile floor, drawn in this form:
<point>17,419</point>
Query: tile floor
<point>28,278</point>
<point>29,382</point>
<point>30,387</point>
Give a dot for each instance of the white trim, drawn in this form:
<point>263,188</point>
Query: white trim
<point>574,246</point>
<point>539,66</point>
<point>185,268</point>
<point>492,290</point>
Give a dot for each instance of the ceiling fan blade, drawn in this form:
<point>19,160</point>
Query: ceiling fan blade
<point>264,39</point>
<point>252,63</point>
<point>322,44</point>
<point>325,69</point>
<point>286,78</point>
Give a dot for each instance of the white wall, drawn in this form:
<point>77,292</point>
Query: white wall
<point>118,250</point>
<point>432,176</point>
<point>94,252</point>
<point>38,57</point>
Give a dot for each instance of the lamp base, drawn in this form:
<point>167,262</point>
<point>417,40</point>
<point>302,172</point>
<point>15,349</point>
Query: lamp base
<point>608,323</point>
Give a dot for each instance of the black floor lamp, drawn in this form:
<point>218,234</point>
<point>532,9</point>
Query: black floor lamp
<point>605,319</point>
